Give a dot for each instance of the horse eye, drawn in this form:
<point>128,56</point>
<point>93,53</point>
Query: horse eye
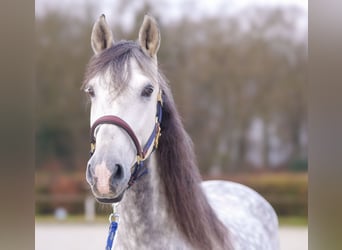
<point>147,91</point>
<point>90,91</point>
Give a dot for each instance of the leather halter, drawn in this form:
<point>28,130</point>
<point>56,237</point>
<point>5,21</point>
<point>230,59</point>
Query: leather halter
<point>138,169</point>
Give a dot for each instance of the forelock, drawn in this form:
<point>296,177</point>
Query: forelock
<point>115,61</point>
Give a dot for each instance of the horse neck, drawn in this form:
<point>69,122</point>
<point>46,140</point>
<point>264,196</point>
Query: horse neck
<point>180,181</point>
<point>168,205</point>
<point>144,219</point>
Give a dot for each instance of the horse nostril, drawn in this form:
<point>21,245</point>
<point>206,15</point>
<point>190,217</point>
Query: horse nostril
<point>90,176</point>
<point>118,172</point>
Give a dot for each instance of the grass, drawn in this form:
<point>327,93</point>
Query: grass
<point>293,221</point>
<point>72,219</point>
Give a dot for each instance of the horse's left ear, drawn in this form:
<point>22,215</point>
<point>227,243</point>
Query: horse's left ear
<point>149,36</point>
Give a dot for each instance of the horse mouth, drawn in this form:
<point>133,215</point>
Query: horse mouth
<point>110,200</point>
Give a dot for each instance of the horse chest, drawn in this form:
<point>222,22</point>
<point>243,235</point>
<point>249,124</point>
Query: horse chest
<point>148,237</point>
<point>146,226</point>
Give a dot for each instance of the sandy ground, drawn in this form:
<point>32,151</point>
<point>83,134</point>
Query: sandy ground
<point>93,237</point>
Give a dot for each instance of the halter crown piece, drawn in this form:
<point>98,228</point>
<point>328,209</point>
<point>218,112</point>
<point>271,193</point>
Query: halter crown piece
<point>143,153</point>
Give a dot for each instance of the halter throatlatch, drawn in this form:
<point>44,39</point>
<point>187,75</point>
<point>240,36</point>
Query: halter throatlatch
<point>138,169</point>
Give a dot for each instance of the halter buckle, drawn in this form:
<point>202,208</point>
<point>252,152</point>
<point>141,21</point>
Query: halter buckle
<point>160,97</point>
<point>156,140</point>
<point>139,159</point>
<point>92,148</point>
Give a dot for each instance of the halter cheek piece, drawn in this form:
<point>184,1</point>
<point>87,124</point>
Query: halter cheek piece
<point>138,169</point>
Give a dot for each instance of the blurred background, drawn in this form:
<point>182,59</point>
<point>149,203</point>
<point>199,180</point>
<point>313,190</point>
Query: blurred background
<point>238,73</point>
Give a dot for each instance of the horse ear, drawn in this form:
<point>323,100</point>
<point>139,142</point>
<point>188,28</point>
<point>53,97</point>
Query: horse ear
<point>101,36</point>
<point>149,36</point>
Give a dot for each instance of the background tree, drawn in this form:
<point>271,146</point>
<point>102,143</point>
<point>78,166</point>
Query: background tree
<point>226,73</point>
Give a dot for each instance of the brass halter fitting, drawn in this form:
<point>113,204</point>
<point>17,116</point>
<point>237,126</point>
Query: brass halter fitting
<point>156,140</point>
<point>114,216</point>
<point>92,148</point>
<point>160,98</point>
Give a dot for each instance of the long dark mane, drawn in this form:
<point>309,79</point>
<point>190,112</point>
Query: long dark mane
<point>181,179</point>
<point>179,174</point>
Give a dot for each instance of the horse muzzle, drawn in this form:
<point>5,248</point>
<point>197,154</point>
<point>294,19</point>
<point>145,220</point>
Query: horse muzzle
<point>107,181</point>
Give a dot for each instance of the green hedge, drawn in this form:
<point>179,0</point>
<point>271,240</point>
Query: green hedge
<point>287,192</point>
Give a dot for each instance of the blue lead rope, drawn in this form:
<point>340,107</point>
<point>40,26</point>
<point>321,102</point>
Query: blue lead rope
<point>112,230</point>
<point>113,226</point>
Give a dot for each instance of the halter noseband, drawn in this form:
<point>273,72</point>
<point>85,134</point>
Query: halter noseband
<point>138,169</point>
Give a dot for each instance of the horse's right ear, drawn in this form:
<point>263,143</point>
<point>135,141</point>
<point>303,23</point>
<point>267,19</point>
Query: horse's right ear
<point>101,36</point>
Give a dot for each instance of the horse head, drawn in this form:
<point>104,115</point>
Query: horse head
<point>122,83</point>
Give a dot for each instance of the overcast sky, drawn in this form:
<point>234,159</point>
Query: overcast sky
<point>172,8</point>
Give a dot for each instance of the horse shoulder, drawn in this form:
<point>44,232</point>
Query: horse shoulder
<point>250,219</point>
